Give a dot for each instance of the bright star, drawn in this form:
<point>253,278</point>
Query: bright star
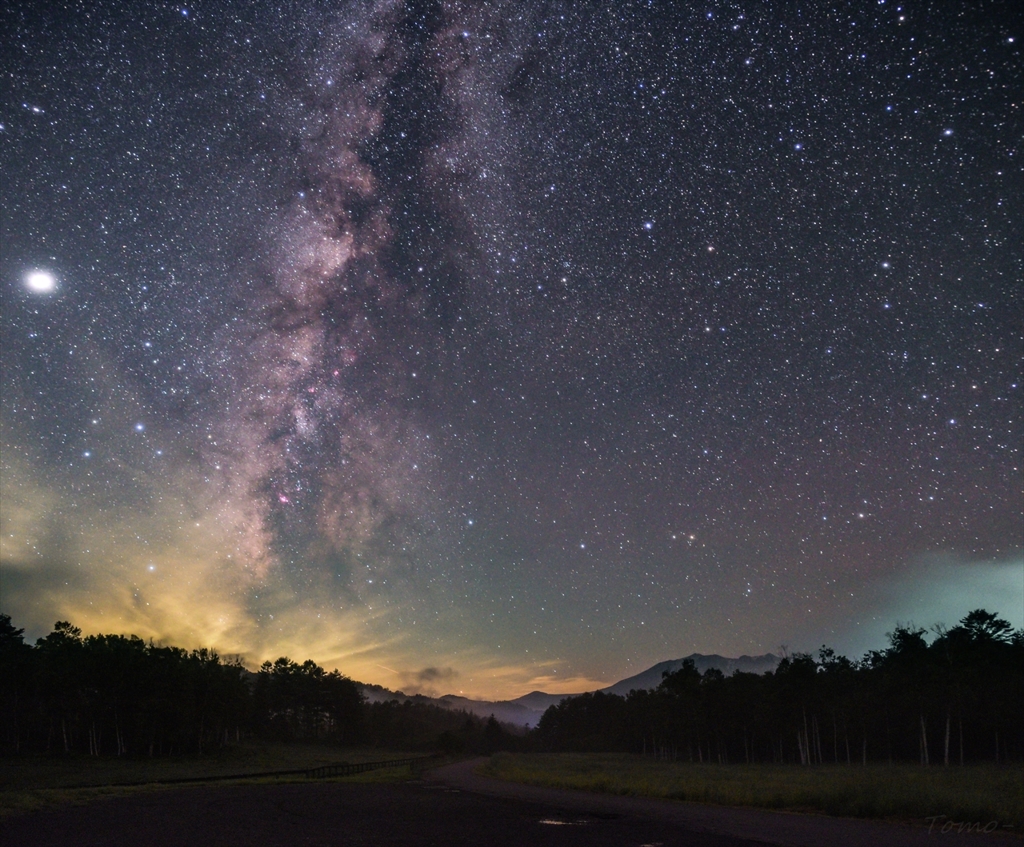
<point>42,282</point>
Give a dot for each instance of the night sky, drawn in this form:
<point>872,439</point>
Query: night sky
<point>491,349</point>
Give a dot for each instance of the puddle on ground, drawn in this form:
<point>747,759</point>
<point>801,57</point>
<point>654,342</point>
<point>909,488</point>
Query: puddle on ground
<point>553,822</point>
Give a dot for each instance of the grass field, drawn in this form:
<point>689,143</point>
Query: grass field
<point>903,792</point>
<point>36,782</point>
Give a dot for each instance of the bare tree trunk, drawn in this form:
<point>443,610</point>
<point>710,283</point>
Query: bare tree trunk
<point>817,738</point>
<point>14,726</point>
<point>806,756</point>
<point>960,721</point>
<point>945,751</point>
<point>924,743</point>
<point>118,738</point>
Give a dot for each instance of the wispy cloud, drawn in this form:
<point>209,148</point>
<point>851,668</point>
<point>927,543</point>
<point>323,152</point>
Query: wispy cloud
<point>936,589</point>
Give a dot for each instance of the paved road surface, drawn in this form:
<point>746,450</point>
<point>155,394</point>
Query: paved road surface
<point>451,806</point>
<point>749,825</point>
<point>335,814</point>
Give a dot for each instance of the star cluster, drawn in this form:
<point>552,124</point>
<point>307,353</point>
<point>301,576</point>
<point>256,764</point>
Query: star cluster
<point>535,342</point>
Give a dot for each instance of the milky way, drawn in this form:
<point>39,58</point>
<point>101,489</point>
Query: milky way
<point>313,446</point>
<point>511,346</point>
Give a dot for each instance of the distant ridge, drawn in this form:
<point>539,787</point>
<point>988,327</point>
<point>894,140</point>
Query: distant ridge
<point>651,678</point>
<point>540,700</point>
<point>506,711</point>
<point>527,710</point>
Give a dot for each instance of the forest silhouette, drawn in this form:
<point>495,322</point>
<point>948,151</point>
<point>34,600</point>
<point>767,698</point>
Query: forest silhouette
<point>955,699</point>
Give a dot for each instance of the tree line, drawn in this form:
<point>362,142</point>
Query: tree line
<point>116,695</point>
<point>953,700</point>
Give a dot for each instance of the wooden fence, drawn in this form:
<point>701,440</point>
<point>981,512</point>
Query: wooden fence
<point>321,772</point>
<point>346,769</point>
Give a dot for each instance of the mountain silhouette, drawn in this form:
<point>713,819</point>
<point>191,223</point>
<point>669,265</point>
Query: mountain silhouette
<point>527,710</point>
<point>651,678</point>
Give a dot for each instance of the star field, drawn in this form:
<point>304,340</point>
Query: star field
<point>535,343</point>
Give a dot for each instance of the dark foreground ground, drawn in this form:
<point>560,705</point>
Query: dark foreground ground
<point>332,814</point>
<point>452,806</point>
